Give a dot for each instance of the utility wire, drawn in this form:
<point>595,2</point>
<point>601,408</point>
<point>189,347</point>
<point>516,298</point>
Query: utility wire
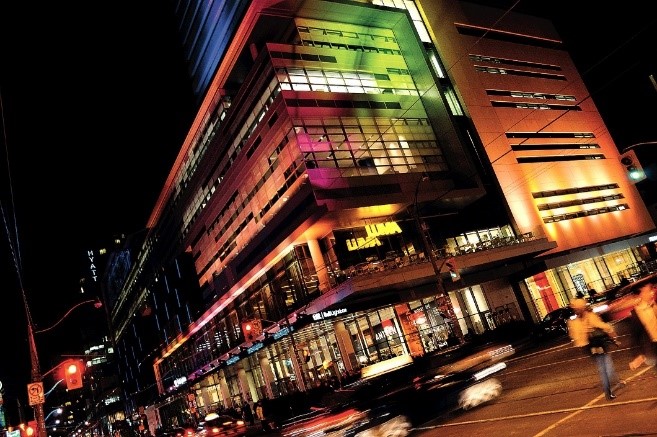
<point>14,245</point>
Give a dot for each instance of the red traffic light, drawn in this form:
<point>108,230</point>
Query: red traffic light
<point>252,329</point>
<point>73,374</point>
<point>28,430</point>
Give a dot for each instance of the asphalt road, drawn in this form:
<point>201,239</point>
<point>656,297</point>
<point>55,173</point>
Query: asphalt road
<point>554,390</point>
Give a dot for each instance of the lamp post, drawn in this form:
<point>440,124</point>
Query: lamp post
<point>442,295</point>
<point>632,146</point>
<point>37,377</point>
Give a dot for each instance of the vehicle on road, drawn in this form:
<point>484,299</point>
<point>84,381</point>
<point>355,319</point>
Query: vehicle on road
<point>177,431</point>
<point>553,325</point>
<point>401,393</point>
<point>625,298</point>
<point>221,425</point>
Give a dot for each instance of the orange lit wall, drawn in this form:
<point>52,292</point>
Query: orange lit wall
<point>535,63</point>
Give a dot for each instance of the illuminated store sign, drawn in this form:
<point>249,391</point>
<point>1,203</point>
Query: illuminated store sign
<point>328,314</point>
<point>179,381</point>
<point>232,360</point>
<point>92,266</point>
<point>281,333</point>
<point>255,347</point>
<point>373,232</point>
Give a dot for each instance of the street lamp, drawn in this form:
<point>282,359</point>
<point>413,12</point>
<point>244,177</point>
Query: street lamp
<point>58,410</point>
<point>37,377</point>
<point>632,146</point>
<point>428,250</point>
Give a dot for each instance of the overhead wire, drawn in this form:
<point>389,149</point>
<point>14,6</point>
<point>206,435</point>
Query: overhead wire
<point>12,236</point>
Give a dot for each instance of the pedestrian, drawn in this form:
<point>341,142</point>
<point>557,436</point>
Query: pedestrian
<point>592,292</point>
<point>580,328</point>
<point>259,412</point>
<point>247,413</point>
<point>644,327</point>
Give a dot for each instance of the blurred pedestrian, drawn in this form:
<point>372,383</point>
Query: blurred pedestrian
<point>258,411</point>
<point>247,413</point>
<point>580,328</point>
<point>644,327</point>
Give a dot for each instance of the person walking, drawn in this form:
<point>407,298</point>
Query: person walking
<point>580,328</point>
<point>259,411</point>
<point>247,413</point>
<point>644,328</point>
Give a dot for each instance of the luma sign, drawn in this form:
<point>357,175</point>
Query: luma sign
<point>373,232</point>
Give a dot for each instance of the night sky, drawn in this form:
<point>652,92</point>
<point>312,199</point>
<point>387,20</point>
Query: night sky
<point>96,103</point>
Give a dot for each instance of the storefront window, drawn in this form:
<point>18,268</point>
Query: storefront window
<point>476,309</point>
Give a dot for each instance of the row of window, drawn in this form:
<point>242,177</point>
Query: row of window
<point>511,72</point>
<point>514,62</point>
<point>558,146</point>
<point>541,106</point>
<point>565,204</point>
<point>530,95</point>
<point>566,191</point>
<point>585,213</point>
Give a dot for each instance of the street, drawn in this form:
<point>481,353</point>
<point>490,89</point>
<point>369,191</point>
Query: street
<point>554,390</point>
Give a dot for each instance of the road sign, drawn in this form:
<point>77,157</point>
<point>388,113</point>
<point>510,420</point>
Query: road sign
<point>35,393</point>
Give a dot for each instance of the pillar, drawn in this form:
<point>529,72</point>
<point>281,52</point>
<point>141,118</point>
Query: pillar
<point>268,375</point>
<point>346,347</point>
<point>244,383</point>
<point>225,393</point>
<point>320,266</point>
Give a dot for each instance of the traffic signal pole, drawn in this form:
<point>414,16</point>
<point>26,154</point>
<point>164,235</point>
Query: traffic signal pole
<point>443,297</point>
<point>36,377</point>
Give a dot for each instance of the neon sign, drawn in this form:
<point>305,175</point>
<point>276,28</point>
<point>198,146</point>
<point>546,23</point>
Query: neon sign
<point>373,232</point>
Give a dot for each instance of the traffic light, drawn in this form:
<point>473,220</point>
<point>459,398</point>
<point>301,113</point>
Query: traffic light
<point>28,430</point>
<point>31,428</point>
<point>632,166</point>
<point>252,329</point>
<point>73,374</point>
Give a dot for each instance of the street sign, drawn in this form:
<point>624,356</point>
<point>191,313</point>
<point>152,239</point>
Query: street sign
<point>35,393</point>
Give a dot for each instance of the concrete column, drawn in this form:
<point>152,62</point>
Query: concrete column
<point>298,371</point>
<point>223,389</point>
<point>320,265</point>
<point>268,375</point>
<point>244,383</point>
<point>346,347</point>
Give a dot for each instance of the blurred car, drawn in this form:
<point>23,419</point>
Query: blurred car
<point>625,298</point>
<point>554,324</point>
<point>178,431</point>
<point>220,425</point>
<point>186,431</point>
<point>399,394</point>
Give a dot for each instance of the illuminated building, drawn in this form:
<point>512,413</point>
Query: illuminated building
<point>329,132</point>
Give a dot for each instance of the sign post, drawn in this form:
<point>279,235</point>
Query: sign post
<point>35,394</point>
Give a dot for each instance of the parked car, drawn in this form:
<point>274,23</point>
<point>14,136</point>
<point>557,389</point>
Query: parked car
<point>398,394</point>
<point>220,425</point>
<point>554,324</point>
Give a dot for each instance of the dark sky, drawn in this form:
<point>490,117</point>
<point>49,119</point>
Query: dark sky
<point>95,105</point>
